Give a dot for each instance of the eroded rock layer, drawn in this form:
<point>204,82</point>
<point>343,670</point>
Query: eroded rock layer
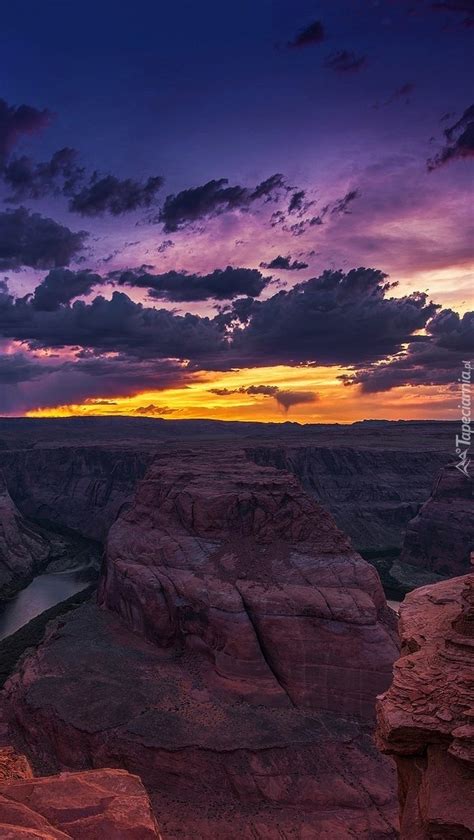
<point>97,805</point>
<point>426,718</point>
<point>23,551</point>
<point>233,662</point>
<point>441,537</point>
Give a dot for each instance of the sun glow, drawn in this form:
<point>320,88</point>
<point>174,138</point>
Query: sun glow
<point>333,402</point>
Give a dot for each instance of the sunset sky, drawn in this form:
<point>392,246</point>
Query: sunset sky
<point>249,211</point>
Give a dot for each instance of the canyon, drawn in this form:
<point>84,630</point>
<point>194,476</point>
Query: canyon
<point>233,653</point>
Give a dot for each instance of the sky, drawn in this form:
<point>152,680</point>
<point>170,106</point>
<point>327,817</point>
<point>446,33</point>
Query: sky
<point>250,211</point>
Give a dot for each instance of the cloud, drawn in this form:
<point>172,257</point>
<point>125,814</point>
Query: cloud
<point>61,286</point>
<point>285,264</point>
<point>460,137</point>
<point>432,360</point>
<point>211,199</point>
<point>27,179</point>
<point>176,286</point>
<point>345,61</point>
<point>33,240</point>
<point>402,92</point>
<point>342,204</point>
<point>336,318</point>
<point>95,195</point>
<point>285,399</point>
<point>113,195</point>
<point>16,120</point>
<point>153,410</point>
<point>112,326</point>
<point>297,201</point>
<point>312,34</point>
<point>21,367</point>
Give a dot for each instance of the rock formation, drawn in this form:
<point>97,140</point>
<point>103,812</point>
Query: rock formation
<point>441,537</point>
<point>426,718</point>
<point>232,663</point>
<point>97,805</point>
<point>371,492</point>
<point>23,551</point>
<point>82,489</point>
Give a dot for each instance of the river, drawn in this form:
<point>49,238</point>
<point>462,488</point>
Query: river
<point>43,592</point>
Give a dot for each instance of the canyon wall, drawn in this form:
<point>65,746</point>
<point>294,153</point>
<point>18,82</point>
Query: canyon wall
<point>425,719</point>
<point>441,537</point>
<point>372,493</point>
<point>23,550</point>
<point>81,488</point>
<point>232,663</point>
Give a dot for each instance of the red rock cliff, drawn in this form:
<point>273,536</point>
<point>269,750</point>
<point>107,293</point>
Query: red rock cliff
<point>426,718</point>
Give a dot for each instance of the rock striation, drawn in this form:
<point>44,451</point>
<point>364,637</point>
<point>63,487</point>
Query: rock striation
<point>23,551</point>
<point>440,538</point>
<point>426,718</point>
<point>79,488</point>
<point>232,662</point>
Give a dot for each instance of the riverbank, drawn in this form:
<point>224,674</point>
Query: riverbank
<point>31,634</point>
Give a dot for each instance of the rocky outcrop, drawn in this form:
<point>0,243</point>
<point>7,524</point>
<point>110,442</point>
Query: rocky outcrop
<point>233,662</point>
<point>98,805</point>
<point>236,561</point>
<point>425,720</point>
<point>82,489</point>
<point>23,551</point>
<point>441,537</point>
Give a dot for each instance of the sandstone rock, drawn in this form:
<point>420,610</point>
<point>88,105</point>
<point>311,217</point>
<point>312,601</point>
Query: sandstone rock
<point>441,537</point>
<point>235,561</point>
<point>426,720</point>
<point>13,765</point>
<point>23,551</point>
<point>232,665</point>
<point>98,805</point>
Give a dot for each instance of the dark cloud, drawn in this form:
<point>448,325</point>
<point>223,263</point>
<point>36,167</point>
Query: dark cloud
<point>95,195</point>
<point>114,195</point>
<point>165,246</point>
<point>342,204</point>
<point>16,120</point>
<point>460,137</point>
<point>436,359</point>
<point>285,399</point>
<point>153,410</point>
<point>297,201</point>
<point>285,264</point>
<point>61,286</point>
<point>345,61</point>
<point>336,318</point>
<point>118,325</point>
<point>27,179</point>
<point>33,240</point>
<point>211,199</point>
<point>312,34</point>
<point>21,367</point>
<point>401,93</point>
<point>177,286</point>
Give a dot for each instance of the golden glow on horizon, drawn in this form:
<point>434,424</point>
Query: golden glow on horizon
<point>335,403</point>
